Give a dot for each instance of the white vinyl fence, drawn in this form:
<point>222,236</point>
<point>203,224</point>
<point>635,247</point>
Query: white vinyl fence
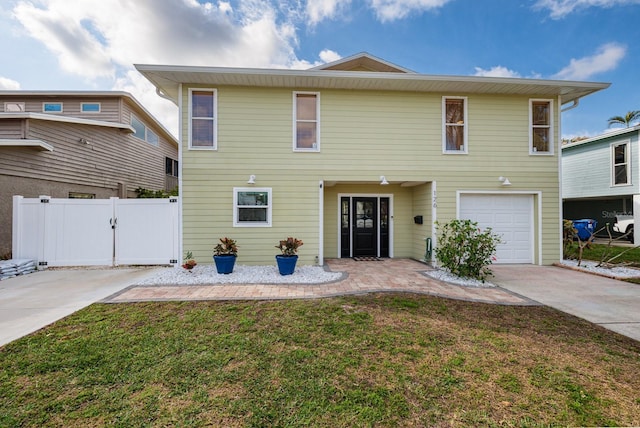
<point>96,232</point>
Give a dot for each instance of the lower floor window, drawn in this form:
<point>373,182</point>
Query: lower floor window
<point>251,207</point>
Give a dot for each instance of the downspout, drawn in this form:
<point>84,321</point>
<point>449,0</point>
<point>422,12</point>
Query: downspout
<point>166,97</point>
<point>574,104</point>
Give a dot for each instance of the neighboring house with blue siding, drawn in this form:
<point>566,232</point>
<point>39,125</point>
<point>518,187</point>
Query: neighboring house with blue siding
<point>601,177</point>
<point>361,157</point>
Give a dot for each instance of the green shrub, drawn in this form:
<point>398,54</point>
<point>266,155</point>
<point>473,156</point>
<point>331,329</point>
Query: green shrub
<point>465,250</point>
<point>146,193</point>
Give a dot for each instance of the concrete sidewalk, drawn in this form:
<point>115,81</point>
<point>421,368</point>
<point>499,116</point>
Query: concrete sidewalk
<point>30,302</point>
<point>610,303</point>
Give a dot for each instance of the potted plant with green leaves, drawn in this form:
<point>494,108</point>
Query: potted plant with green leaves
<point>225,254</point>
<point>287,260</point>
<point>189,262</point>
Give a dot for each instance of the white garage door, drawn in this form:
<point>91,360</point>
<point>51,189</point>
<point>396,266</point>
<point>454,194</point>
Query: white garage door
<point>510,216</point>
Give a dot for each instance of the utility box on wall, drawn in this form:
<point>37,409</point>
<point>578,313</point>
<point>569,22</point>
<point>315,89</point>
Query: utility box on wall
<point>417,219</point>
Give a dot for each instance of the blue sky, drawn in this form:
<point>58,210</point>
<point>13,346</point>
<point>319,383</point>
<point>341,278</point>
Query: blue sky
<point>93,44</point>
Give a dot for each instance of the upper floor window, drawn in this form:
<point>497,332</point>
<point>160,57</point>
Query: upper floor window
<point>90,107</point>
<point>202,119</point>
<point>620,172</point>
<point>152,138</point>
<point>14,107</point>
<point>541,127</point>
<point>52,107</point>
<point>454,124</point>
<point>306,121</point>
<point>251,207</point>
<point>139,130</point>
<point>142,132</point>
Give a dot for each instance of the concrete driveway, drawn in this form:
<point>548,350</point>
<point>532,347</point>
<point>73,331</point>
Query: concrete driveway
<point>30,302</point>
<point>610,303</point>
<point>33,301</point>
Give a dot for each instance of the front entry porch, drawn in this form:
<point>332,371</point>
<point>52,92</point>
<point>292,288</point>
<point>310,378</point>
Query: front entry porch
<point>364,226</point>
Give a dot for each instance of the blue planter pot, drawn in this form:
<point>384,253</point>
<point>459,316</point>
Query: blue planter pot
<point>225,263</point>
<point>286,264</point>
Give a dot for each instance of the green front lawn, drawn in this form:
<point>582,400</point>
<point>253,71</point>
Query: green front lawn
<point>374,360</point>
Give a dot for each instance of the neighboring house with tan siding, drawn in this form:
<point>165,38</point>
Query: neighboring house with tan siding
<point>361,158</point>
<point>79,145</point>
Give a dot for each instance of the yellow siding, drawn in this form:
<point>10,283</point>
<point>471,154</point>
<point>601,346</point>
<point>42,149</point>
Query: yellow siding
<point>363,135</point>
<point>422,205</point>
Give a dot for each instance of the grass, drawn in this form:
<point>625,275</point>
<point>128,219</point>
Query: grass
<point>626,255</point>
<point>374,360</point>
<point>600,252</point>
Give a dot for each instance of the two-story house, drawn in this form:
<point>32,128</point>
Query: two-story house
<point>79,145</point>
<point>601,179</point>
<point>361,157</point>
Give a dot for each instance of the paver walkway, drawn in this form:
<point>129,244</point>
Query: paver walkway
<point>386,275</point>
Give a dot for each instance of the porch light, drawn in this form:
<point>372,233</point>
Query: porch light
<point>504,180</point>
<point>252,179</point>
<point>383,181</point>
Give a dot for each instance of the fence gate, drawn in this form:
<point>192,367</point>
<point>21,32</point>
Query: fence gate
<point>96,232</point>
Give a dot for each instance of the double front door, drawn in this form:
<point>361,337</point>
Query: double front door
<point>364,226</point>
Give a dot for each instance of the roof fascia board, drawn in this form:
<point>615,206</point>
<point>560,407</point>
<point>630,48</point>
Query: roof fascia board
<point>66,119</point>
<point>359,56</point>
<point>614,133</point>
<point>169,77</point>
<point>90,94</point>
<point>26,143</point>
<point>355,75</point>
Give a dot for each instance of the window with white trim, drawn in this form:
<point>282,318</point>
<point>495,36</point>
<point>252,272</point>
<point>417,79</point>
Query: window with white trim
<point>142,132</point>
<point>90,107</point>
<point>251,207</point>
<point>52,107</point>
<point>620,168</point>
<point>454,125</point>
<point>306,121</point>
<point>139,130</point>
<point>541,127</point>
<point>11,106</point>
<point>202,119</point>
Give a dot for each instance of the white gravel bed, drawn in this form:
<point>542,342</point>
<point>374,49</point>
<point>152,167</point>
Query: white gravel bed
<point>590,266</point>
<point>207,274</point>
<point>446,276</point>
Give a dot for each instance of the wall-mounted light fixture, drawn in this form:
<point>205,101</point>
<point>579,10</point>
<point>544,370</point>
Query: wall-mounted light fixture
<point>252,179</point>
<point>504,180</point>
<point>383,180</point>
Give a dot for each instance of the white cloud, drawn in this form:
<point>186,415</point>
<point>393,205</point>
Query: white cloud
<point>497,71</point>
<point>606,58</point>
<point>10,84</point>
<point>317,10</point>
<point>60,29</point>
<point>326,56</point>
<point>560,8</point>
<point>97,39</point>
<point>390,10</point>
<point>164,110</point>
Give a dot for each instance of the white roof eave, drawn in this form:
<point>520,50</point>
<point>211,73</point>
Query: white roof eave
<point>610,134</point>
<point>66,119</point>
<point>38,144</point>
<point>168,78</point>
